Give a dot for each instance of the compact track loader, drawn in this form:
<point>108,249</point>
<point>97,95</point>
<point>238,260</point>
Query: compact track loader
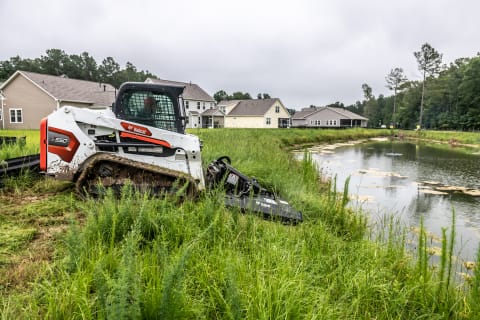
<point>141,141</point>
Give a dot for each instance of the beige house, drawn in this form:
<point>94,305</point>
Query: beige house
<point>27,97</point>
<point>195,99</point>
<point>257,113</point>
<point>227,105</point>
<point>327,117</point>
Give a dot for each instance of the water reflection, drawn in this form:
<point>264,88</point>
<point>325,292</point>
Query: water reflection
<point>411,181</point>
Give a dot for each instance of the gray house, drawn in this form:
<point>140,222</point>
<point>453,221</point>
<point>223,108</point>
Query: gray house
<point>195,99</point>
<point>327,117</point>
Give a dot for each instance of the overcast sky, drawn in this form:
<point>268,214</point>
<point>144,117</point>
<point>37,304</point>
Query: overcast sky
<point>302,51</point>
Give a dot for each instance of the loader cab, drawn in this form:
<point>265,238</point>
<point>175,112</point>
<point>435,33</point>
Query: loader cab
<point>152,105</point>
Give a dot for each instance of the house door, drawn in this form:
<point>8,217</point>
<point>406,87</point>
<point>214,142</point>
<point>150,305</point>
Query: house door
<point>283,122</point>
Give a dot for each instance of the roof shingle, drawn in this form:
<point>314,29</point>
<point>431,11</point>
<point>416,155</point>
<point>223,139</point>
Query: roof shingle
<point>191,92</point>
<point>66,89</point>
<point>254,107</point>
<point>306,112</point>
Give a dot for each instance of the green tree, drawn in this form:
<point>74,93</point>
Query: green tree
<point>83,67</point>
<point>220,96</point>
<point>54,62</point>
<point>89,67</point>
<point>429,62</point>
<point>263,96</point>
<point>395,79</point>
<point>367,92</point>
<point>337,104</point>
<point>370,105</point>
<point>408,101</point>
<point>469,95</point>
<point>8,67</point>
<point>108,69</point>
<point>240,96</point>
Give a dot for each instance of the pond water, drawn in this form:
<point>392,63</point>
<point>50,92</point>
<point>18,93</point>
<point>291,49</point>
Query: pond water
<point>411,181</point>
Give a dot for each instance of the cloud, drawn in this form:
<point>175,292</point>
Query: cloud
<point>305,52</point>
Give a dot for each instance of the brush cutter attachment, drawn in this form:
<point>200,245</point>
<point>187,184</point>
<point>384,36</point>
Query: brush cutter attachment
<point>246,193</point>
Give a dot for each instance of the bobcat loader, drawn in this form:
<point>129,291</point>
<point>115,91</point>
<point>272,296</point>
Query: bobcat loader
<point>141,140</point>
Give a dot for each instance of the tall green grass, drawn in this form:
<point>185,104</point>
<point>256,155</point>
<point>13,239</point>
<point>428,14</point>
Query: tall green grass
<point>453,137</point>
<point>24,147</point>
<point>138,257</point>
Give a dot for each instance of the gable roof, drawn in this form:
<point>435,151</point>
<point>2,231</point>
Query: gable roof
<point>228,103</point>
<point>253,107</point>
<point>347,114</point>
<point>72,90</point>
<point>306,112</point>
<point>213,112</point>
<point>191,92</point>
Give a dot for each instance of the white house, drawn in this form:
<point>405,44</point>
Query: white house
<point>195,99</point>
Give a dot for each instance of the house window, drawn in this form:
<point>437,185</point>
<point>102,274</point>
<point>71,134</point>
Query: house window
<point>277,109</point>
<point>186,104</point>
<point>198,105</point>
<point>268,121</point>
<point>317,122</point>
<point>334,122</point>
<point>16,116</point>
<point>311,122</point>
<point>204,106</point>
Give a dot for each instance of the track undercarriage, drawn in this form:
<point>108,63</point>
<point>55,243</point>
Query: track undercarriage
<point>105,171</point>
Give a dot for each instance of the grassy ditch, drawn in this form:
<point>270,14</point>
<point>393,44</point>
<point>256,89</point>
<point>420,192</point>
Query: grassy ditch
<point>454,138</point>
<point>138,257</point>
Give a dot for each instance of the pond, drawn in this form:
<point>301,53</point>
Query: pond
<point>411,181</point>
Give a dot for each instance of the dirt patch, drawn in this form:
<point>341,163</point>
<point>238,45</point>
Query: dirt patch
<point>46,215</point>
<point>25,266</point>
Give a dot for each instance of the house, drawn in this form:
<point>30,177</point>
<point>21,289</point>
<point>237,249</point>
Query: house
<point>227,105</point>
<point>213,118</point>
<point>27,97</point>
<point>327,117</point>
<point>195,99</point>
<point>256,113</point>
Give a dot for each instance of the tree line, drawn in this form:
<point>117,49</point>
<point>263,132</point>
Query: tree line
<point>85,67</point>
<point>222,95</point>
<point>76,66</point>
<point>447,97</point>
